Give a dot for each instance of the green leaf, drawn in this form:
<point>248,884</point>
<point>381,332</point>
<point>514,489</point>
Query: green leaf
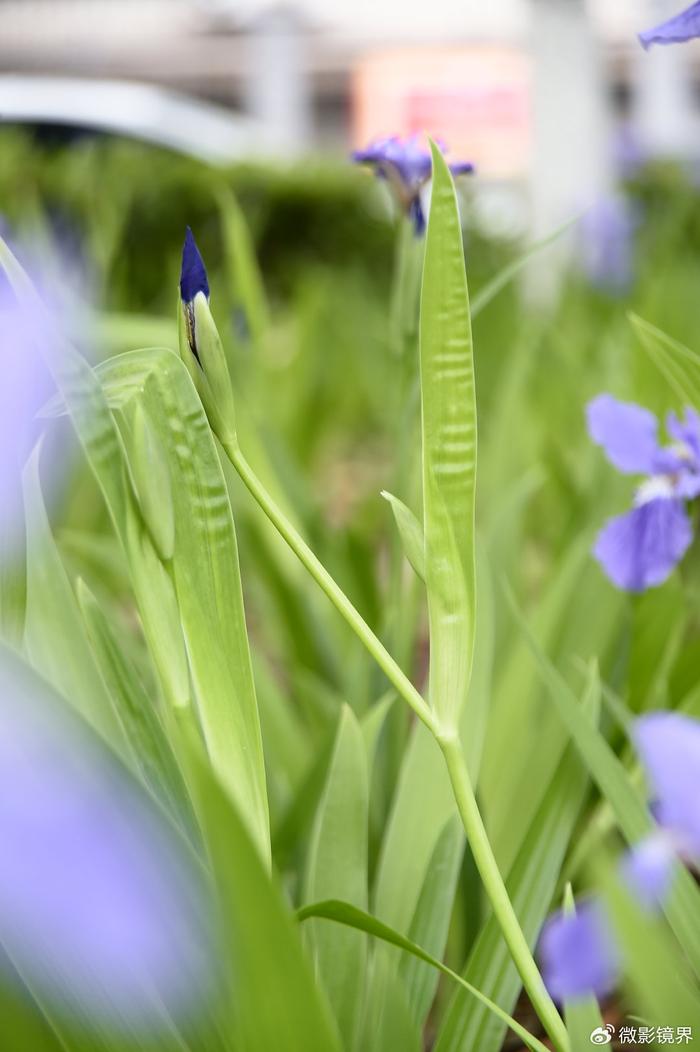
<point>449,450</point>
<point>614,783</point>
<point>337,866</point>
<point>656,971</point>
<point>410,532</point>
<point>679,364</point>
<point>54,635</point>
<point>243,270</point>
<point>345,913</point>
<point>273,1001</point>
<point>431,918</point>
<point>151,754</point>
<point>205,572</point>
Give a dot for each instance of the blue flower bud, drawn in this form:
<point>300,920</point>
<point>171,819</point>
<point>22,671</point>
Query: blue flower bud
<point>193,275</point>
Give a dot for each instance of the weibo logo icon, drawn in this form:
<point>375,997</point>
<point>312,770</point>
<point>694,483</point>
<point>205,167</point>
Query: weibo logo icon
<point>602,1035</point>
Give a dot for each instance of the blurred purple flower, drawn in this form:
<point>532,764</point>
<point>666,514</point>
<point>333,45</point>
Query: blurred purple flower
<point>683,26</point>
<point>101,908</point>
<point>640,549</point>
<point>668,744</point>
<point>578,954</point>
<point>407,165</point>
<point>607,244</point>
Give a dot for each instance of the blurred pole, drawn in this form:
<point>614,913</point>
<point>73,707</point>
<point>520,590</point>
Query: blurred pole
<point>571,162</point>
<point>663,100</point>
<point>278,90</point>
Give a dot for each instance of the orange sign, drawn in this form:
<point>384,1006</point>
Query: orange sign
<point>476,98</point>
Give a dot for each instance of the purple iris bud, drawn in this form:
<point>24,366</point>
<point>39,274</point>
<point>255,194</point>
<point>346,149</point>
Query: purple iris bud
<point>668,744</point>
<point>683,26</point>
<point>407,165</point>
<point>640,549</point>
<point>193,275</point>
<point>579,957</point>
<point>102,910</point>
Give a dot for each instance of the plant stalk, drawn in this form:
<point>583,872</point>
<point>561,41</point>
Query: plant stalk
<point>449,744</point>
<point>337,596</point>
<point>497,893</point>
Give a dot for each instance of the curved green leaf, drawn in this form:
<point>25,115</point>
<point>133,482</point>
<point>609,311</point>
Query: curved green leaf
<point>344,913</point>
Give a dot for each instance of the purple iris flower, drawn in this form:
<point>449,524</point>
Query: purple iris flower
<point>683,26</point>
<point>193,275</point>
<point>578,954</point>
<point>407,165</point>
<point>640,549</point>
<point>102,910</point>
<point>668,744</point>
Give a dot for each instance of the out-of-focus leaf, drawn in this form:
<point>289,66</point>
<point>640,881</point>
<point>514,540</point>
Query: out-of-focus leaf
<point>272,1001</point>
<point>614,783</point>
<point>150,751</point>
<point>337,866</point>
<point>658,975</point>
<point>54,634</point>
<point>244,273</point>
<point>679,364</point>
<point>449,451</point>
<point>345,913</point>
<point>432,917</point>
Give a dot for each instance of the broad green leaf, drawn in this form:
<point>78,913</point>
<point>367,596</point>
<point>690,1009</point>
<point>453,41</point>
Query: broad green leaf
<point>431,919</point>
<point>337,866</point>
<point>410,532</point>
<point>273,1001</point>
<point>530,883</point>
<point>345,913</point>
<point>151,754</point>
<point>449,450</point>
<point>54,635</point>
<point>204,570</point>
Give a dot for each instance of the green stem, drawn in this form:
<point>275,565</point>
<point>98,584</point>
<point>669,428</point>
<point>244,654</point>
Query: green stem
<point>497,893</point>
<point>449,744</point>
<point>336,595</point>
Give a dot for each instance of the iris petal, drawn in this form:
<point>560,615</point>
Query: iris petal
<point>669,747</point>
<point>626,432</point>
<point>683,26</point>
<point>641,548</point>
<point>578,955</point>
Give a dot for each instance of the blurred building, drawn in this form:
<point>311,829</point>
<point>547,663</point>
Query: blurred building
<point>556,95</point>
